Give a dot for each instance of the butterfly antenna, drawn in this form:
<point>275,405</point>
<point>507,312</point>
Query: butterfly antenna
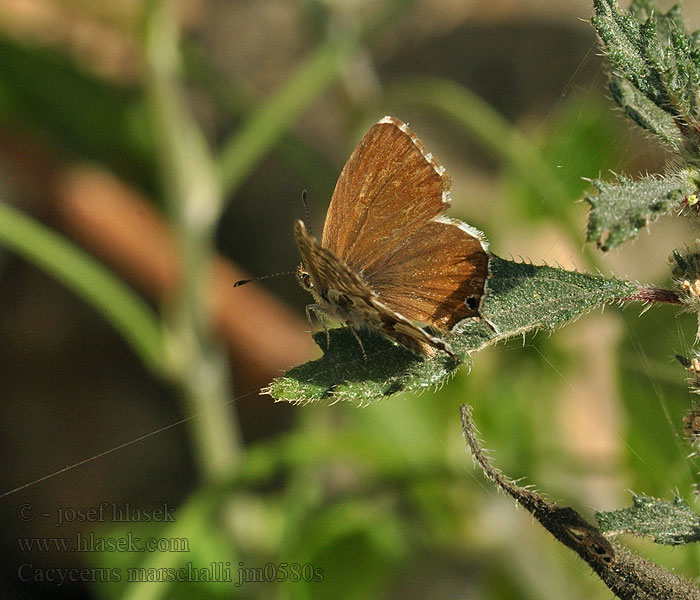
<point>306,211</point>
<point>244,281</point>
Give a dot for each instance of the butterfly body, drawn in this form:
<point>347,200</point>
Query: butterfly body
<point>387,257</point>
<point>342,296</point>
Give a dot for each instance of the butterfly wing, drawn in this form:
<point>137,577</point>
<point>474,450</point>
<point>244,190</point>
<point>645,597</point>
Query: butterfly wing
<point>344,296</point>
<point>437,276</point>
<point>384,222</point>
<point>389,187</point>
<point>329,276</point>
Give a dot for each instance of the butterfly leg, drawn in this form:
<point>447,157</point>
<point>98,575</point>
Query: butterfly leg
<point>359,341</point>
<point>315,309</point>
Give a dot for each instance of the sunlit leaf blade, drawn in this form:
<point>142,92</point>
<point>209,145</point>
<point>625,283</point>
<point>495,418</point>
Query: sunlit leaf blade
<point>523,296</point>
<point>125,310</point>
<point>621,209</point>
<point>645,113</point>
<point>653,52</point>
<point>665,522</point>
<point>520,297</point>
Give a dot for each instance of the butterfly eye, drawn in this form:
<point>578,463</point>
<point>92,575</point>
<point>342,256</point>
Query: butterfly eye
<point>304,279</point>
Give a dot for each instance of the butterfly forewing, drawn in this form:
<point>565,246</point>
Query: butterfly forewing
<point>389,187</point>
<point>385,223</point>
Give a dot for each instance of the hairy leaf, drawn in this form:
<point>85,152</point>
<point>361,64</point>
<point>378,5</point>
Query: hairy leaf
<point>520,297</point>
<point>621,209</point>
<point>655,70</point>
<point>645,113</point>
<point>665,522</point>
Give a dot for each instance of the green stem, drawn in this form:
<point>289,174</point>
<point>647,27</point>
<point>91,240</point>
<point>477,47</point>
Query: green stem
<point>193,195</point>
<point>78,271</point>
<point>274,117</point>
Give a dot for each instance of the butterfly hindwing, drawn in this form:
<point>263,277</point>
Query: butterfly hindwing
<point>343,296</point>
<point>436,277</point>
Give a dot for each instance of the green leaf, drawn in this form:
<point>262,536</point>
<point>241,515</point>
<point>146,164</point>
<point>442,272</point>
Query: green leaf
<point>656,70</point>
<point>665,522</point>
<point>645,113</point>
<point>621,209</point>
<point>80,272</point>
<point>519,298</point>
<point>632,47</point>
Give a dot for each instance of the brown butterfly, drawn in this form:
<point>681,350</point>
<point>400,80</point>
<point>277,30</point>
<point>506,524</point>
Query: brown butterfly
<point>387,256</point>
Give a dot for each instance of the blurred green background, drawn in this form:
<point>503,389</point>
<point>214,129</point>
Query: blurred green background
<point>143,142</point>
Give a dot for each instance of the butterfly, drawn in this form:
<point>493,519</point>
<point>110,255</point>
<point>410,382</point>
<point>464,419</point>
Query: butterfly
<point>388,258</point>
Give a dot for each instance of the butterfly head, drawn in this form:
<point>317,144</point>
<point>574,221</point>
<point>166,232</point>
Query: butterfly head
<point>304,279</point>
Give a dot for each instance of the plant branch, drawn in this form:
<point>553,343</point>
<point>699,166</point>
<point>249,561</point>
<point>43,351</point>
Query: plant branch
<point>192,191</point>
<point>653,295</point>
<point>271,120</point>
<point>628,576</point>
